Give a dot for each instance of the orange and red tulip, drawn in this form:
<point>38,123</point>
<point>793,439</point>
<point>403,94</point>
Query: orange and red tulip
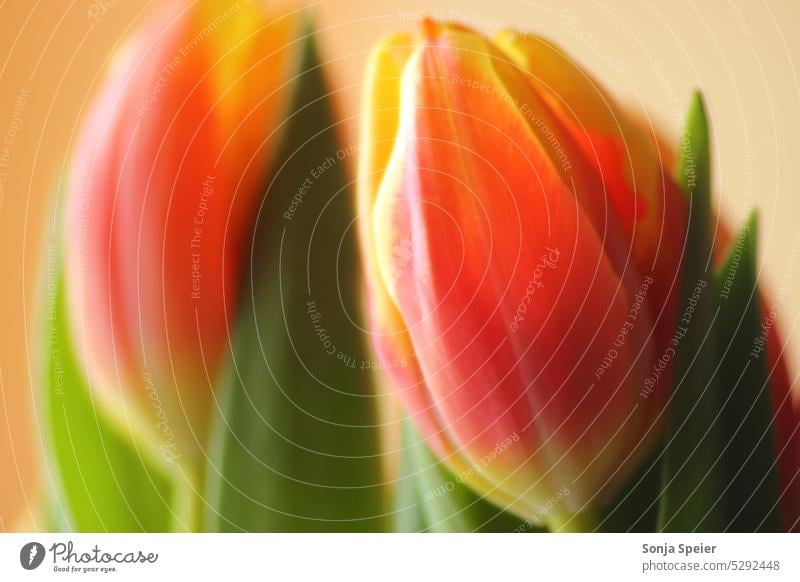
<point>522,242</point>
<point>164,186</point>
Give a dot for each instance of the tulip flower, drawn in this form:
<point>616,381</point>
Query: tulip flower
<point>522,242</point>
<point>163,192</point>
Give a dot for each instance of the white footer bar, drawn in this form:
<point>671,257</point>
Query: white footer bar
<point>401,557</point>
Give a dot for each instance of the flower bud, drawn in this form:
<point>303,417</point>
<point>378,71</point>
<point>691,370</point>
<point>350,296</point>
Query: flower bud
<point>518,257</point>
<point>163,191</point>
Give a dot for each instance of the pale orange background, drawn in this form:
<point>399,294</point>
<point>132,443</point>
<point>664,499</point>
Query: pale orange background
<point>743,54</point>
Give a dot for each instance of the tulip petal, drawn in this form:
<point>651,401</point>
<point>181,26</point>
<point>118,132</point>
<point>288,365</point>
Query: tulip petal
<point>390,339</point>
<point>379,129</point>
<point>627,156</point>
<point>620,150</point>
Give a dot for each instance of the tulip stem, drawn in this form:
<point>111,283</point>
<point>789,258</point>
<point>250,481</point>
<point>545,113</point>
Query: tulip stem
<point>188,504</point>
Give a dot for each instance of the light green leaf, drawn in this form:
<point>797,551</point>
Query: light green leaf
<point>447,503</point>
<point>101,481</point>
<point>408,513</point>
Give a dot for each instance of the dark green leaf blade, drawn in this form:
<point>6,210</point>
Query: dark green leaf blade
<point>296,445</point>
<point>750,457</point>
<point>635,507</point>
<point>692,479</point>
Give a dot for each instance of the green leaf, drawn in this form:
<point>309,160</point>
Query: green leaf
<point>750,457</point>
<point>635,509</point>
<point>408,515</point>
<point>296,446</point>
<point>692,476</point>
<point>101,481</point>
<point>447,503</point>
